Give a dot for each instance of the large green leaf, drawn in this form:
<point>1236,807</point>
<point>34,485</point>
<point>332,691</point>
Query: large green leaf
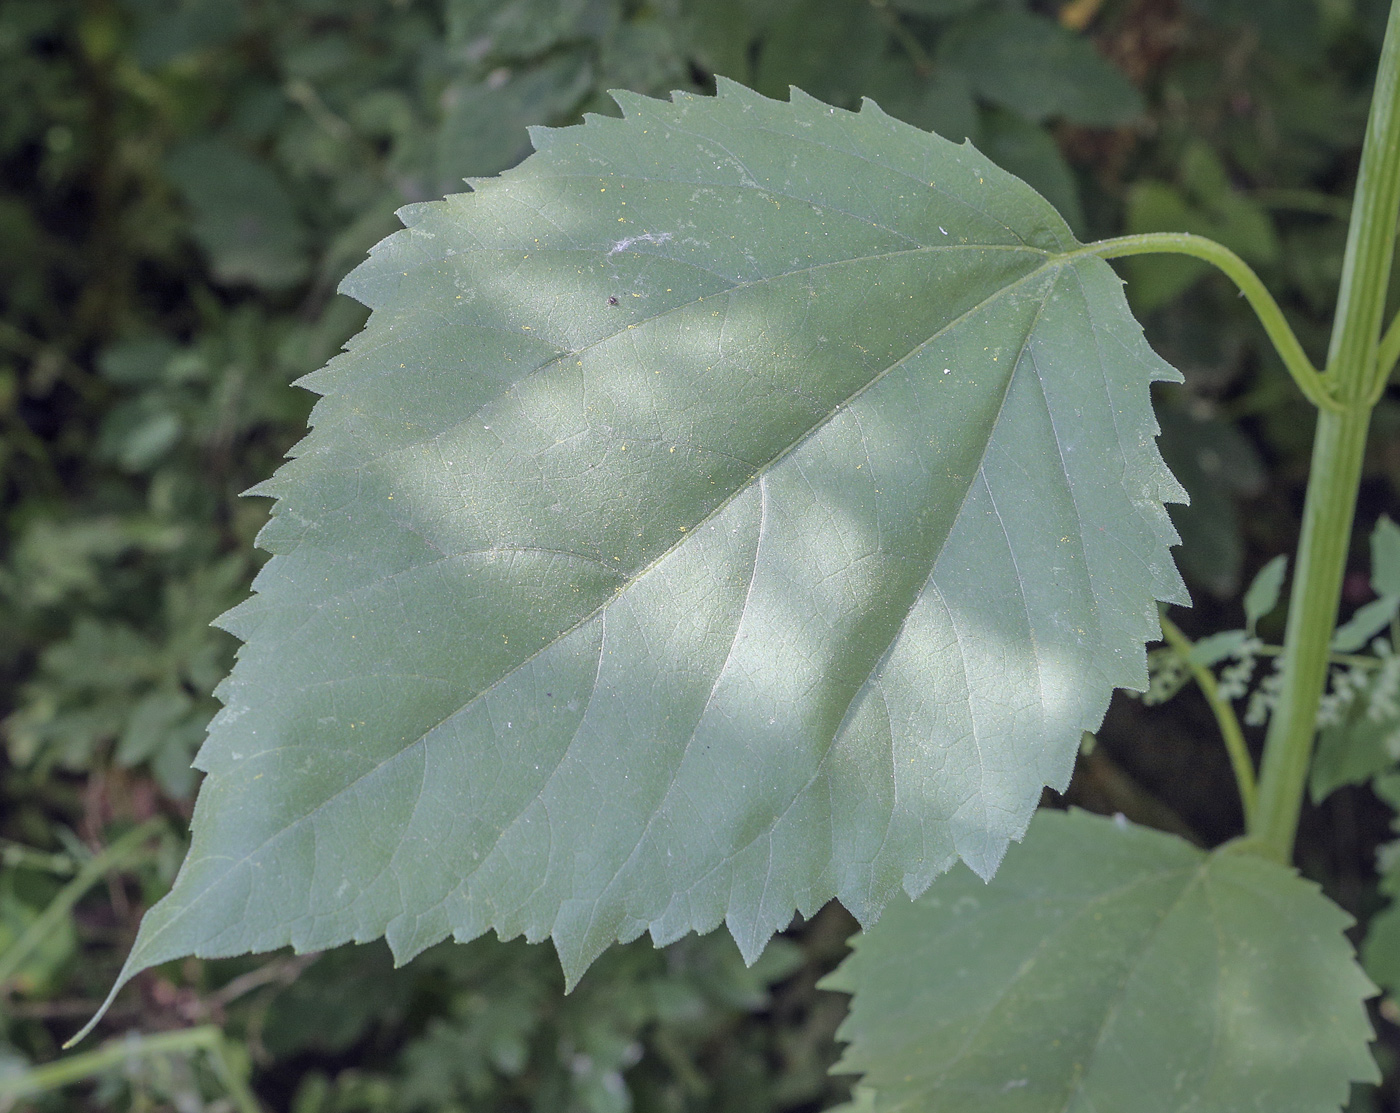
<point>1109,967</point>
<point>734,506</point>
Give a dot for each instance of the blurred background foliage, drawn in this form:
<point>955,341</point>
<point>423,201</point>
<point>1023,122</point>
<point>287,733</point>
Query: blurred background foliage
<point>183,183</point>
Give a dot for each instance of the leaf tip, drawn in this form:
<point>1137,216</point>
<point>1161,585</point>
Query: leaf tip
<point>127,973</point>
<point>751,941</point>
<point>572,969</point>
<point>982,852</point>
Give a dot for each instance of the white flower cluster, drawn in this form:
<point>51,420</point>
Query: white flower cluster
<point>1166,673</point>
<point>1235,677</point>
<point>1264,698</point>
<point>1379,684</point>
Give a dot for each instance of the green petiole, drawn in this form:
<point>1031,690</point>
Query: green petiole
<point>1310,381</point>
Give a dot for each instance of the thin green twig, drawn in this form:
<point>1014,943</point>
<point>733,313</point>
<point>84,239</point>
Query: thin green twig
<point>1285,342</point>
<point>1358,660</point>
<point>1224,716</point>
<point>112,1055</point>
<point>113,857</point>
<point>15,855</point>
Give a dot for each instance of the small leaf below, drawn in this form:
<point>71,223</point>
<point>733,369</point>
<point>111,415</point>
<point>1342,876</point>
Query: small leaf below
<point>1109,967</point>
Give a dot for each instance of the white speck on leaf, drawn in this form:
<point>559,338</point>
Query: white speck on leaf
<point>646,237</point>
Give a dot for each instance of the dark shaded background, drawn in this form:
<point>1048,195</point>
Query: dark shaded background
<point>182,185</point>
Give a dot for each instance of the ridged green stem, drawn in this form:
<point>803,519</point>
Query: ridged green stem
<point>1353,377</point>
<point>1338,448</point>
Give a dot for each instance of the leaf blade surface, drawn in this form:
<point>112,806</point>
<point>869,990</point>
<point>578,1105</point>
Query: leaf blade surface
<point>1108,967</point>
<point>736,505</point>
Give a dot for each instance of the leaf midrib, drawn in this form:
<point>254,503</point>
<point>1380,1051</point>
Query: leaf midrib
<point>1051,258</point>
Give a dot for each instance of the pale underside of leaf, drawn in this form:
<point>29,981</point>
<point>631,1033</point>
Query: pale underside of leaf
<point>736,505</point>
<point>1109,967</point>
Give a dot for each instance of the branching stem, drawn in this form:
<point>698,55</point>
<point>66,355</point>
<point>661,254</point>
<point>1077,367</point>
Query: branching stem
<point>1359,361</point>
<point>1353,378</point>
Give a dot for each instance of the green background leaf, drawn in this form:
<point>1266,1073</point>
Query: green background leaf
<point>1262,595</point>
<point>1385,557</point>
<point>1109,967</point>
<point>243,217</point>
<point>1351,751</point>
<point>1035,67</point>
<point>1381,951</point>
<point>1217,465</point>
<point>1367,621</point>
<point>795,573</point>
<point>1204,203</point>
